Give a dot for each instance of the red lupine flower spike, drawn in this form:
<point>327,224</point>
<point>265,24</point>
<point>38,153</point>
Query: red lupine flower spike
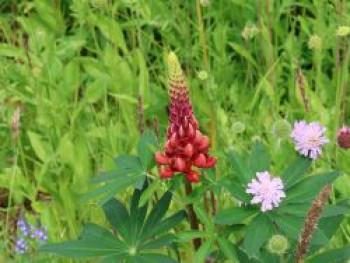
<point>186,146</point>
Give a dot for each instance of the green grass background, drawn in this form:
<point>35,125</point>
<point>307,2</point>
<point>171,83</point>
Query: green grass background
<point>75,70</point>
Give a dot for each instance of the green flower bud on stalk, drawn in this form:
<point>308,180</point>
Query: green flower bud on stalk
<point>282,129</point>
<point>278,244</point>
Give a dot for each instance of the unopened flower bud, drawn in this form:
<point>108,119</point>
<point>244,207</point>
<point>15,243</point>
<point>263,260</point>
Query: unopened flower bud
<point>193,177</point>
<point>343,137</point>
<point>282,129</point>
<point>238,127</point>
<point>166,173</point>
<point>278,244</point>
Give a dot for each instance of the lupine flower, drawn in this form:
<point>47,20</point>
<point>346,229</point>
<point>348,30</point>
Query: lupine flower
<point>23,226</point>
<point>21,245</point>
<point>309,138</point>
<point>40,234</point>
<point>186,146</point>
<point>266,190</point>
<point>343,137</point>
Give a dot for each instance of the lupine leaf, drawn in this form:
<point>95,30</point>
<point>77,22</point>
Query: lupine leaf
<point>157,213</point>
<point>259,158</point>
<point>227,248</point>
<point>118,217</point>
<point>240,167</point>
<point>95,241</point>
<point>258,232</point>
<point>338,255</point>
<point>233,215</point>
<point>309,187</point>
<point>295,171</point>
<point>203,252</point>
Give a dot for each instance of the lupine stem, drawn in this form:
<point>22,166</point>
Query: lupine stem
<point>192,217</point>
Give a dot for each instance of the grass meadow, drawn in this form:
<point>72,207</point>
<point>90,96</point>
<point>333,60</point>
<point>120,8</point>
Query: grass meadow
<point>75,75</point>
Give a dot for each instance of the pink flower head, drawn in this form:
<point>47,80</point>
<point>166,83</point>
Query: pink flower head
<point>309,138</point>
<point>266,190</point>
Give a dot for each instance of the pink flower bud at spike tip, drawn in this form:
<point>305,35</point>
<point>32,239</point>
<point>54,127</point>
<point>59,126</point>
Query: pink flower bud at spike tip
<point>186,146</point>
<point>343,137</point>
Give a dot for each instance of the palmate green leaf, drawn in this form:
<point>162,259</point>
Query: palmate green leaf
<point>302,209</point>
<point>240,167</point>
<point>309,187</point>
<point>118,216</point>
<point>156,214</point>
<point>338,255</point>
<point>95,241</point>
<point>113,187</point>
<point>166,224</point>
<point>203,252</point>
<point>293,174</point>
<point>204,218</point>
<point>292,227</point>
<point>162,241</point>
<point>259,159</point>
<point>258,232</point>
<point>129,163</point>
<point>150,258</point>
<point>228,249</point>
<point>234,215</point>
<point>148,193</point>
<point>146,149</point>
<point>238,191</point>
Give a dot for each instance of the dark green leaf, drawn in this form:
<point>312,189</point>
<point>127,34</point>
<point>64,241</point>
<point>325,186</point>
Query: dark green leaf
<point>258,232</point>
<point>110,189</point>
<point>227,248</point>
<point>162,241</point>
<point>308,188</point>
<point>128,163</point>
<point>150,258</point>
<point>295,171</point>
<point>118,217</point>
<point>338,255</point>
<point>334,210</point>
<point>204,218</point>
<point>292,227</point>
<point>259,159</point>
<point>157,213</point>
<point>234,215</point>
<point>166,224</point>
<point>238,191</point>
<point>240,167</point>
<point>203,252</point>
<point>95,241</point>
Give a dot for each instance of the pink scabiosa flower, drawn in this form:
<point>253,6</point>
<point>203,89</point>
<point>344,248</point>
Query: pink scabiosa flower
<point>266,190</point>
<point>186,145</point>
<point>309,138</point>
<point>343,137</point>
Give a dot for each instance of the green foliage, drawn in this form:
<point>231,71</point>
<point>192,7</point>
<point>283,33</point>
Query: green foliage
<point>75,70</point>
<point>138,233</point>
